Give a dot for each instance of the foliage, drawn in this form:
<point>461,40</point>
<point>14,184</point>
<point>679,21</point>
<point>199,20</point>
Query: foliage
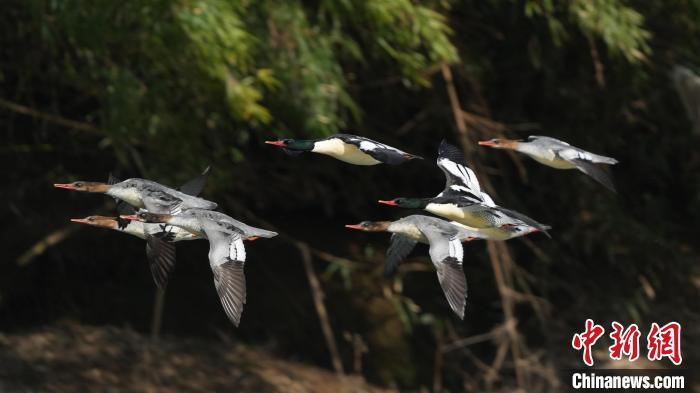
<point>163,88</point>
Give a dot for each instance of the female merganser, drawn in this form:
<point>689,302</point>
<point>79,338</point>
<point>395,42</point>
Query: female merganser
<point>446,251</point>
<point>560,155</point>
<point>141,193</point>
<point>462,199</point>
<point>352,149</point>
<point>226,250</point>
<point>159,248</point>
<point>193,187</point>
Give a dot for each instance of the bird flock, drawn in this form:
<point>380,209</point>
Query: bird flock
<point>462,211</point>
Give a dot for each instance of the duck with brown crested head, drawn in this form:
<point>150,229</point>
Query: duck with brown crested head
<point>143,194</point>
<point>445,241</point>
<point>160,251</point>
<point>558,154</point>
<point>227,254</point>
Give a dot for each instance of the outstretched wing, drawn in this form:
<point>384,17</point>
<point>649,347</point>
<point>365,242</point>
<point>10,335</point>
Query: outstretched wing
<point>161,259</point>
<point>447,254</point>
<point>454,284</point>
<point>195,186</point>
<point>595,172</point>
<point>460,180</point>
<point>227,259</point>
<point>399,248</point>
<point>229,280</point>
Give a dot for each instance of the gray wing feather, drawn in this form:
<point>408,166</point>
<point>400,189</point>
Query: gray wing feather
<point>399,248</point>
<point>595,172</point>
<point>447,254</point>
<point>229,280</point>
<point>454,284</point>
<point>161,259</point>
<point>195,186</point>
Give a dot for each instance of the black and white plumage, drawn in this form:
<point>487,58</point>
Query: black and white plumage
<point>227,254</point>
<point>560,155</point>
<point>462,199</point>
<point>348,148</point>
<point>446,253</point>
<point>687,84</point>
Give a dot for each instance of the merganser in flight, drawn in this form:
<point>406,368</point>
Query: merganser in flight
<point>446,251</point>
<point>193,187</point>
<point>143,194</point>
<point>159,248</point>
<point>462,199</point>
<point>560,155</point>
<point>226,250</point>
<point>352,149</point>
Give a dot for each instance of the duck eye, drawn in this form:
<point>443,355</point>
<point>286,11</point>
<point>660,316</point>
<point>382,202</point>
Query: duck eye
<point>91,219</point>
<point>78,184</point>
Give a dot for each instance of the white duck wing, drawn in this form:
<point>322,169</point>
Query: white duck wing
<point>447,254</point>
<point>459,178</point>
<point>400,246</point>
<point>227,260</point>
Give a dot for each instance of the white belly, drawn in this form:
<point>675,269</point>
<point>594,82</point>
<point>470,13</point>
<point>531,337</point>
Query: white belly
<point>554,163</point>
<point>465,216</point>
<point>344,152</point>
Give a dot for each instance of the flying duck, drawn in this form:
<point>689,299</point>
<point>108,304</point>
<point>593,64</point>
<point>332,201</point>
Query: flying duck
<point>560,155</point>
<point>143,194</point>
<point>462,199</point>
<point>446,251</point>
<point>226,250</point>
<point>352,149</point>
<point>159,248</point>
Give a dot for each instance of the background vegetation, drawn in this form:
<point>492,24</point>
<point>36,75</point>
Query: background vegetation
<point>161,89</point>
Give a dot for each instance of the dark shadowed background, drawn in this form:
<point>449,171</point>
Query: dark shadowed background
<point>162,89</point>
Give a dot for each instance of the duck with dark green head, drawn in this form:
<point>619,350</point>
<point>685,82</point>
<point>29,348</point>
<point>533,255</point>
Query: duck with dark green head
<point>352,149</point>
<point>462,199</point>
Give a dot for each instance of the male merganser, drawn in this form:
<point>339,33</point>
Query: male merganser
<point>446,251</point>
<point>226,250</point>
<point>462,199</point>
<point>160,251</point>
<point>141,193</point>
<point>560,155</point>
<point>352,149</point>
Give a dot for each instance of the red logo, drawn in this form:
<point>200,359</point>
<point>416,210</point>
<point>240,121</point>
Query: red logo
<point>625,342</point>
<point>586,340</point>
<point>665,342</point>
<point>662,342</point>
